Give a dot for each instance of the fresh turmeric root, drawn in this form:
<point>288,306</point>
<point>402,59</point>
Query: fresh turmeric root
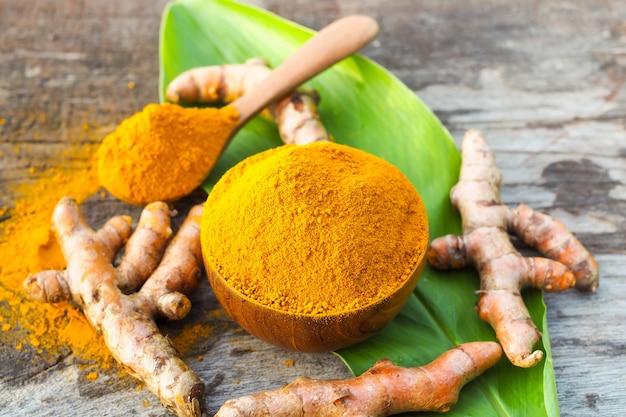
<point>110,300</point>
<point>296,115</point>
<point>485,244</point>
<point>384,390</point>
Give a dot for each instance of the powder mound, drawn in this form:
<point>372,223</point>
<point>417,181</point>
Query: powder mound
<point>316,229</point>
<point>163,152</point>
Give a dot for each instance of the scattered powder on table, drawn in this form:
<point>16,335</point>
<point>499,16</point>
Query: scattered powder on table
<point>190,336</point>
<point>28,245</point>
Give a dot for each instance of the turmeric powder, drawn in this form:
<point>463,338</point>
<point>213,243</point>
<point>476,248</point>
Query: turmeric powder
<point>27,245</point>
<point>163,152</point>
<point>314,229</point>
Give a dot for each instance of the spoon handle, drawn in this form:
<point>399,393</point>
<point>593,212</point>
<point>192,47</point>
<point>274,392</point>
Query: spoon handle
<point>331,44</point>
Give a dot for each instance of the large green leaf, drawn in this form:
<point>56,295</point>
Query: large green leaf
<point>365,106</point>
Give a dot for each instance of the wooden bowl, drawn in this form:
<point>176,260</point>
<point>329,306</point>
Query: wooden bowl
<point>371,227</point>
<point>312,333</point>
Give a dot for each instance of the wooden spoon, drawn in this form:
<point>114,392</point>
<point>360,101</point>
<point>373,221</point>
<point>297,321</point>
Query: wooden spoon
<point>334,42</point>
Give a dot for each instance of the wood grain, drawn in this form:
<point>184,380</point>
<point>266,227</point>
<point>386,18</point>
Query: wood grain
<point>543,80</point>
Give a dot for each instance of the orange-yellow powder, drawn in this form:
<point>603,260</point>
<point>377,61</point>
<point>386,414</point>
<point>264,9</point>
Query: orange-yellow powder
<point>191,336</point>
<point>163,152</point>
<point>316,229</point>
<point>27,245</point>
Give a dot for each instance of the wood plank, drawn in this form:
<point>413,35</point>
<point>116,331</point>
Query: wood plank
<point>587,337</point>
<point>543,80</point>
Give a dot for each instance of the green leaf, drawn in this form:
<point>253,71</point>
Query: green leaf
<point>365,106</point>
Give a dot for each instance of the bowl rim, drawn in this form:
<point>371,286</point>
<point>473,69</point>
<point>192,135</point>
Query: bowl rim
<point>413,276</point>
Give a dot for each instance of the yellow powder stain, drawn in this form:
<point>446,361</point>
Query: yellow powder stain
<point>92,376</point>
<point>191,336</point>
<point>27,245</point>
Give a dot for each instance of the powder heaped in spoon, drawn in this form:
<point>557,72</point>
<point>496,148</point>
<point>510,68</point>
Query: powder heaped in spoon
<point>163,152</point>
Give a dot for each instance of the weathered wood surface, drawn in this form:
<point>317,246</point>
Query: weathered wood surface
<point>543,80</point>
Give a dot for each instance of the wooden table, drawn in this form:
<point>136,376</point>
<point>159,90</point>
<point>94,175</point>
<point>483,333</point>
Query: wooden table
<point>543,80</point>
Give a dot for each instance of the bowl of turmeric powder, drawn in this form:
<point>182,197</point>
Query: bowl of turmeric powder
<point>316,247</point>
